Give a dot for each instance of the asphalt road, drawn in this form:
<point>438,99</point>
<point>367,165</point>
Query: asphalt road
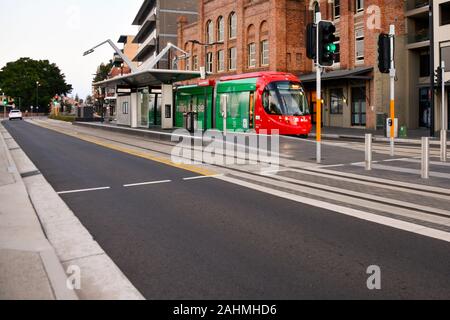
<point>208,239</point>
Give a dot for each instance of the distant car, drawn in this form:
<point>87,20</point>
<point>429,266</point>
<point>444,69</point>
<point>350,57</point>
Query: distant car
<point>15,115</point>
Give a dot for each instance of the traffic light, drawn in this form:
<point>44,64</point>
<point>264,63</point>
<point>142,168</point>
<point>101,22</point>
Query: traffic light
<point>438,77</point>
<point>5,101</point>
<point>327,46</point>
<point>311,41</point>
<point>384,53</point>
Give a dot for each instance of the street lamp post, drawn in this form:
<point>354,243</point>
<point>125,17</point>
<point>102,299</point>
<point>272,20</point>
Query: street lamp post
<point>206,46</point>
<point>37,96</point>
<point>4,107</point>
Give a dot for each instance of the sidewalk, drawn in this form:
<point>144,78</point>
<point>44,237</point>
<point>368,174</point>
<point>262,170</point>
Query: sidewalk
<point>29,266</point>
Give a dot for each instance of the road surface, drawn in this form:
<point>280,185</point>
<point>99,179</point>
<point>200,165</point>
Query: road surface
<point>209,239</point>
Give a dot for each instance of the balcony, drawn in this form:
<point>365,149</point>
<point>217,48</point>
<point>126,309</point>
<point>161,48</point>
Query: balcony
<point>417,4</point>
<point>146,47</point>
<point>417,8</point>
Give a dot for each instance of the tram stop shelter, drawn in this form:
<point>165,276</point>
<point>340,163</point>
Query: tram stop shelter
<point>146,98</point>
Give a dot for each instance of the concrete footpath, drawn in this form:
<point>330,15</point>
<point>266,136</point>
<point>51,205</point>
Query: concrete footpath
<point>413,136</point>
<point>41,239</point>
<point>29,266</point>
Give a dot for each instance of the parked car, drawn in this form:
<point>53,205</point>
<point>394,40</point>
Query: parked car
<point>15,115</point>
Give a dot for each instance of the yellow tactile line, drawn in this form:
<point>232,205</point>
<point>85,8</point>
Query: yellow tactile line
<point>191,168</point>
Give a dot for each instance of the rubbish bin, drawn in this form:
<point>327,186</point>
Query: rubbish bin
<point>403,132</point>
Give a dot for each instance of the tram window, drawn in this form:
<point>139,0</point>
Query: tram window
<point>234,110</point>
<point>271,103</point>
<point>285,98</point>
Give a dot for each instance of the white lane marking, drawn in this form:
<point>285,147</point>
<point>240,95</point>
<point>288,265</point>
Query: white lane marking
<point>84,190</point>
<point>202,177</point>
<point>273,172</point>
<point>146,183</point>
<point>389,222</point>
<point>393,160</point>
<point>434,163</point>
<point>388,182</point>
<point>407,170</point>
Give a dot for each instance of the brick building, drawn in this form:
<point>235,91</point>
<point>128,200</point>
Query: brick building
<point>257,35</point>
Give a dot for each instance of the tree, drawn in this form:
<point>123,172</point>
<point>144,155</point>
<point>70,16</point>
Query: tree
<point>89,100</point>
<point>18,80</point>
<point>103,71</point>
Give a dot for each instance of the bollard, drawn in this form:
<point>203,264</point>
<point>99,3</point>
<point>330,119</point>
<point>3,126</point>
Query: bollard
<point>425,158</point>
<point>319,152</point>
<point>443,145</point>
<point>368,152</point>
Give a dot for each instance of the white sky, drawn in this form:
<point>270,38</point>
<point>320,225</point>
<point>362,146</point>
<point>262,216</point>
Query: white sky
<point>61,31</point>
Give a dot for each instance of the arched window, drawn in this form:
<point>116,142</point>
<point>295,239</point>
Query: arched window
<point>316,9</point>
<point>251,46</point>
<point>209,32</point>
<point>232,26</point>
<point>220,29</point>
<point>264,44</point>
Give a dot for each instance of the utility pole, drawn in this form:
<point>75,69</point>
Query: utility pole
<point>431,28</point>
<point>392,73</point>
<point>318,94</point>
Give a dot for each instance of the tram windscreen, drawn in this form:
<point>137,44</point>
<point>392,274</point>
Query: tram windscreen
<point>285,98</point>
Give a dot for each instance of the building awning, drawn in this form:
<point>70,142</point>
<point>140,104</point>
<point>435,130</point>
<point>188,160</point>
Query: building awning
<point>155,77</point>
<point>353,74</point>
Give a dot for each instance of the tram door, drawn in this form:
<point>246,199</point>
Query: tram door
<point>155,109</point>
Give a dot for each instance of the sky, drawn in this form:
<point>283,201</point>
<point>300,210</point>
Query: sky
<point>60,31</point>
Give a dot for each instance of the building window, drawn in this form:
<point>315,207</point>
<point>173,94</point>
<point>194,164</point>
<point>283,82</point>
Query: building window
<point>209,62</point>
<point>424,64</point>
<point>444,9</point>
<point>445,55</point>
<point>316,9</point>
<point>359,6</point>
<point>337,101</point>
<point>232,26</point>
<point>337,54</point>
<point>265,52</point>
<point>232,55</point>
<point>209,32</point>
<point>337,9</point>
<point>359,35</point>
<point>220,29</point>
<point>220,61</point>
<point>195,63</point>
<point>252,55</point>
<point>188,65</point>
<point>125,107</point>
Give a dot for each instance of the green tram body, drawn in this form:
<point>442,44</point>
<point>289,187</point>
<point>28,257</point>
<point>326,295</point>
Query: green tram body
<point>239,92</point>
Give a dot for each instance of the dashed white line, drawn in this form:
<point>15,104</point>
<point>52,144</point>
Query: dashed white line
<point>202,177</point>
<point>84,190</point>
<point>146,183</point>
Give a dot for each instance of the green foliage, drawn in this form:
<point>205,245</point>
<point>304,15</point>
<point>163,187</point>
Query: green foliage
<point>62,118</point>
<point>102,71</point>
<point>18,79</point>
